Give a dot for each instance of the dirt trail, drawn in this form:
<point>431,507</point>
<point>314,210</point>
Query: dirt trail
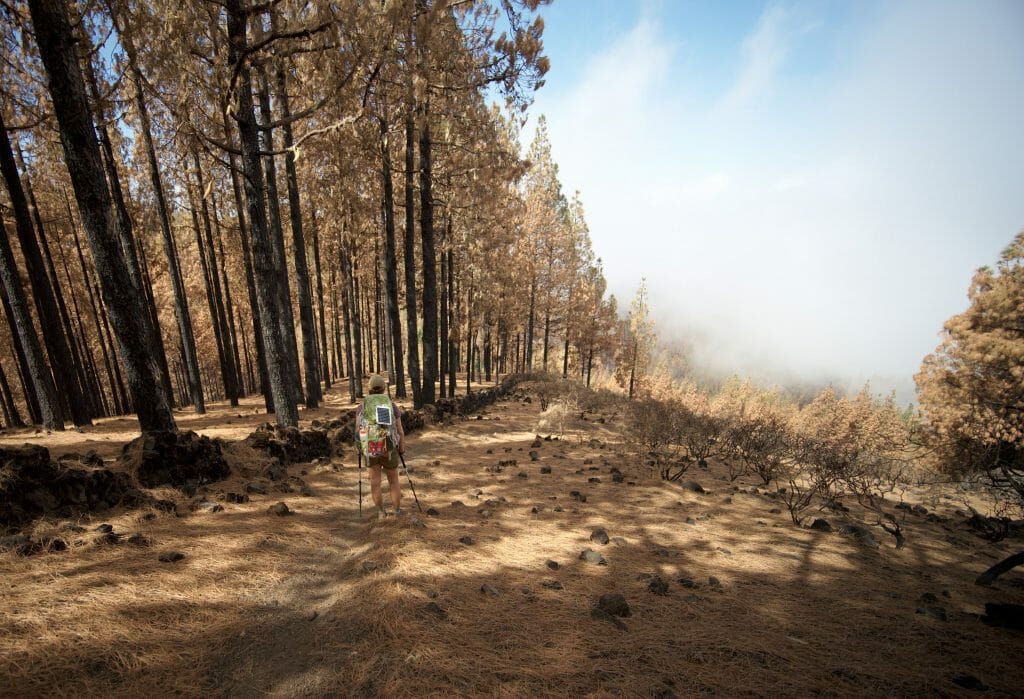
<point>323,603</point>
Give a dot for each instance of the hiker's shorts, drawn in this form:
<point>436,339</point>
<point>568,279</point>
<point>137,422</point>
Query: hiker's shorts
<point>390,462</point>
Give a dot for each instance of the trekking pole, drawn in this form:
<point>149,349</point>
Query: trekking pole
<point>410,482</point>
<point>360,484</point>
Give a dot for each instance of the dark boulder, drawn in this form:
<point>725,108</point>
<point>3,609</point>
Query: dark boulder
<point>179,459</point>
<point>1009,616</point>
<point>31,485</point>
<point>290,445</point>
<point>821,525</point>
<point>693,486</point>
<point>658,586</point>
<point>615,604</point>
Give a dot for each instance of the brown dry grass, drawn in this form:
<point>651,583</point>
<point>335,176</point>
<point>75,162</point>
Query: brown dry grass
<point>799,613</point>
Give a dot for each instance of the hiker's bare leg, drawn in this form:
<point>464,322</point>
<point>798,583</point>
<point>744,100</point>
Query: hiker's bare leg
<point>396,487</point>
<point>375,493</point>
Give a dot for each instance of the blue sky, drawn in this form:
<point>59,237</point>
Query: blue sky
<point>807,186</point>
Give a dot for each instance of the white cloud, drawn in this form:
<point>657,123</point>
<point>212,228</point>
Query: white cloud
<point>763,52</point>
<point>827,231</point>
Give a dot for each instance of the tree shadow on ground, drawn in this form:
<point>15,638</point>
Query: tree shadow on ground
<point>325,603</point>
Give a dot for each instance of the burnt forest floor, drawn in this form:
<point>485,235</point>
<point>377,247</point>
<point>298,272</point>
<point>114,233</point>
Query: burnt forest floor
<point>486,594</point>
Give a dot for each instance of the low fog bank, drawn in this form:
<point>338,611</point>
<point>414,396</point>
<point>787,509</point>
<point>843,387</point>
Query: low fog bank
<point>709,353</point>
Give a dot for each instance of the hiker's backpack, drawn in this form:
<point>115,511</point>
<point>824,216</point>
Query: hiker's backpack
<point>377,426</point>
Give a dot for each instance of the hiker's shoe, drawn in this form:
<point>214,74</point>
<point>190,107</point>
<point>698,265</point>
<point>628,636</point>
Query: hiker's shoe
<point>399,512</point>
<point>381,514</point>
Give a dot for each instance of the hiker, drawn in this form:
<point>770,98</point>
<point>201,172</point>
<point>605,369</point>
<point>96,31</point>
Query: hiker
<point>382,440</point>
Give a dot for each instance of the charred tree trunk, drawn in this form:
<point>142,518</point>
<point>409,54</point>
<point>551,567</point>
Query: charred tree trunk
<point>211,222</point>
<point>70,400</point>
<point>346,304</point>
<point>429,264</point>
<point>325,366</point>
<point>1005,565</point>
<point>39,374</point>
<point>78,362</point>
<point>208,276</point>
<point>126,237</point>
<point>410,265</point>
<point>452,348</point>
<point>353,322</point>
<point>123,397</point>
<point>528,348</point>
<point>487,350</point>
<point>336,361</point>
<point>310,358</point>
<point>547,335</point>
<point>181,309</point>
<point>565,355</point>
<point>469,338</point>
<point>229,307</point>
<point>443,336</point>
<point>250,281</point>
<point>28,388</point>
<point>12,418</point>
<point>391,264</point>
<point>266,272</point>
<point>85,351</point>
<point>286,318</point>
<point>118,407</point>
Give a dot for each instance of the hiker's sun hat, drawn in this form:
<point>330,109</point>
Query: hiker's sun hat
<point>378,382</point>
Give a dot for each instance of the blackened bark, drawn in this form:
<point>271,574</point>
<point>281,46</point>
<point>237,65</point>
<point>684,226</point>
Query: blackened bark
<point>204,265</point>
<point>632,367</point>
<point>309,352</point>
<point>84,350</point>
<point>378,314</point>
<point>286,317</point>
<point>346,305</point>
<point>229,307</point>
<point>39,375</point>
<point>359,329</point>
<point>412,339</point>
<point>250,282</point>
<point>528,349</point>
<point>547,334</point>
<point>353,322</point>
<point>117,406</point>
<point>487,350</point>
<point>469,339</point>
<point>443,336</point>
<point>251,378</point>
<point>28,388</point>
<point>429,265</point>
<point>12,418</point>
<point>265,269</point>
<point>68,330</point>
<point>126,237</point>
<point>336,363</point>
<point>325,367</point>
<point>71,400</point>
<point>453,358</point>
<point>181,310</point>
<point>230,365</point>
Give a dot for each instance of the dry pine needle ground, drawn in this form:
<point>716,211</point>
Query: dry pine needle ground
<point>323,603</point>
